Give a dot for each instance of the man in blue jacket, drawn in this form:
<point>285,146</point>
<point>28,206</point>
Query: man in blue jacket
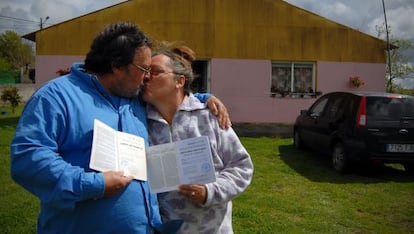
<point>51,149</point>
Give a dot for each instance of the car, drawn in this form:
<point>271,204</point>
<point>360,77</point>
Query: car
<point>355,127</point>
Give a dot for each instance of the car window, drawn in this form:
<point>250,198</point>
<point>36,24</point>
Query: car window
<point>377,107</point>
<point>386,108</point>
<point>335,107</point>
<point>408,108</point>
<point>317,108</point>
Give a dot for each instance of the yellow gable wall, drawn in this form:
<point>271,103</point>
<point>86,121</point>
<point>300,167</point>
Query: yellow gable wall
<point>243,29</point>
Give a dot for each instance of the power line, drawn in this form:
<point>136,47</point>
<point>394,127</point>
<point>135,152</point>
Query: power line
<point>21,25</point>
<point>14,18</point>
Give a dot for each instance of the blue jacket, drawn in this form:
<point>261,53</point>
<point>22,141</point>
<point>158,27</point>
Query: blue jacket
<point>50,158</point>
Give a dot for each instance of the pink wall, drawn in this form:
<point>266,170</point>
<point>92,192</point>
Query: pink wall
<point>335,76</point>
<point>244,86</point>
<point>46,66</point>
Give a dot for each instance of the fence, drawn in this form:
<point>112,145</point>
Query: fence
<point>9,77</point>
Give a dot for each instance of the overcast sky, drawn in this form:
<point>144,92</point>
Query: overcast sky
<point>23,16</point>
<point>364,15</point>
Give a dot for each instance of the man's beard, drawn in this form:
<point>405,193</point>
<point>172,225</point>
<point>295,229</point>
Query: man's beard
<point>121,92</point>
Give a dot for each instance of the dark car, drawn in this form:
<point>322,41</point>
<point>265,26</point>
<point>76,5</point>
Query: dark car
<point>359,126</point>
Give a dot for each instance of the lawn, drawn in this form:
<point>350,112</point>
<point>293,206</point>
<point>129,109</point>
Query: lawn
<point>18,208</point>
<point>297,192</point>
<point>292,192</point>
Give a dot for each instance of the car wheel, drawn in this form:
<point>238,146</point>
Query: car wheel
<point>409,168</point>
<point>339,158</point>
<point>297,140</point>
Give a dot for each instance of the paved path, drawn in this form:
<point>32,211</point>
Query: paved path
<point>263,129</point>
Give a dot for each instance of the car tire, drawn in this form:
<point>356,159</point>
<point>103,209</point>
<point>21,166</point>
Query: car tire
<point>339,158</point>
<point>297,140</point>
<point>409,168</point>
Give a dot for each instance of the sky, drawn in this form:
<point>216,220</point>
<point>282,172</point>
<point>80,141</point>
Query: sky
<point>24,16</point>
<point>365,15</point>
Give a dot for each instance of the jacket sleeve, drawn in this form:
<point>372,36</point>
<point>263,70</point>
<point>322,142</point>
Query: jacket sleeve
<point>202,96</point>
<point>38,166</point>
<point>234,168</point>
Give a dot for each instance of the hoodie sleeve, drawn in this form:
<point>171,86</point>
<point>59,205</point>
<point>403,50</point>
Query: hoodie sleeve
<point>36,160</point>
<point>234,168</point>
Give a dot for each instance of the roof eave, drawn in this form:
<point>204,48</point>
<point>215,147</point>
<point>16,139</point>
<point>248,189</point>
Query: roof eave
<point>31,36</point>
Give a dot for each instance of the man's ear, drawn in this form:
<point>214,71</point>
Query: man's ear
<point>116,70</point>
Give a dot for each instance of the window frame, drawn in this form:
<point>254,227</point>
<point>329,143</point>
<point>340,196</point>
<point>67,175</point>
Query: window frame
<point>290,87</point>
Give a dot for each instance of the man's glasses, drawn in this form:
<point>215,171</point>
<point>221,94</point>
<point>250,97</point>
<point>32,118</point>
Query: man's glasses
<point>145,70</point>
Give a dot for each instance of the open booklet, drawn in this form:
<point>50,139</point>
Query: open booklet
<point>182,162</point>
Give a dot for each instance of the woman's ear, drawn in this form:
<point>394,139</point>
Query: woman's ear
<point>180,81</point>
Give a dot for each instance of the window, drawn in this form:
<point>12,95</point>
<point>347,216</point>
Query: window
<point>385,108</point>
<point>335,109</point>
<point>317,108</point>
<point>293,78</point>
<point>200,83</point>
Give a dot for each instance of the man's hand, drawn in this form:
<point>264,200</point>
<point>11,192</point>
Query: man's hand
<point>115,181</point>
<point>218,109</point>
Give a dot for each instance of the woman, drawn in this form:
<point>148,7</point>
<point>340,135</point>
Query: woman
<point>174,114</point>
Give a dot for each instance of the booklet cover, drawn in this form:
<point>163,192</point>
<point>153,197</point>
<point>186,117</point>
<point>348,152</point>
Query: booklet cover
<point>168,165</point>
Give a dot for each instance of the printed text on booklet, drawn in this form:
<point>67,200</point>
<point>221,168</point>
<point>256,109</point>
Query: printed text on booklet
<point>183,162</point>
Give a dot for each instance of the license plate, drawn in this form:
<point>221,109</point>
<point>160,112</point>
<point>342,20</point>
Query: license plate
<point>400,148</point>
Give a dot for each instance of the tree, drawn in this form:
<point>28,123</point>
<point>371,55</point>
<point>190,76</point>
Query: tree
<point>4,65</point>
<point>14,51</point>
<point>398,66</point>
<point>11,95</point>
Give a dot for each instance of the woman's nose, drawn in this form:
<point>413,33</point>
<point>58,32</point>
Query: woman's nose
<point>147,77</point>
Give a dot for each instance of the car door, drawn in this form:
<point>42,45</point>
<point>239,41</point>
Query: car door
<point>310,121</point>
<point>330,122</point>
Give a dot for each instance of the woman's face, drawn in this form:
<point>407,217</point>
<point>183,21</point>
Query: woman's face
<point>160,86</point>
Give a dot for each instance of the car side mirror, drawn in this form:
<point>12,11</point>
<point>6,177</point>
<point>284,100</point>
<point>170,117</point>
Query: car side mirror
<point>303,112</point>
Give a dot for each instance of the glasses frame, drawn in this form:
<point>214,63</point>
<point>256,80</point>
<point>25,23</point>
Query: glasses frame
<point>147,71</point>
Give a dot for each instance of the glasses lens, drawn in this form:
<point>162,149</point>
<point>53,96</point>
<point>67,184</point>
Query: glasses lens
<point>156,72</point>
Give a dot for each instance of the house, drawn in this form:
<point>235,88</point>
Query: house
<point>265,59</point>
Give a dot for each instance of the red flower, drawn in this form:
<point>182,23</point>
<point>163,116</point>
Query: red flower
<point>356,81</point>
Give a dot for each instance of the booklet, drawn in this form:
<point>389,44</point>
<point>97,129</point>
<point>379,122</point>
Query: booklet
<point>187,161</point>
<point>182,162</point>
<point>113,150</point>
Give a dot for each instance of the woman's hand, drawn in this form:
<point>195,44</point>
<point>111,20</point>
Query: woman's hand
<point>197,193</point>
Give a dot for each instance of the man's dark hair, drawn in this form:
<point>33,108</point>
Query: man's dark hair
<point>115,46</point>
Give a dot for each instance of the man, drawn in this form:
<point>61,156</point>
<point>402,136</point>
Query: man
<point>50,152</point>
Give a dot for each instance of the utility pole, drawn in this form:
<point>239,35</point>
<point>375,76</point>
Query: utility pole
<point>388,49</point>
<point>43,21</point>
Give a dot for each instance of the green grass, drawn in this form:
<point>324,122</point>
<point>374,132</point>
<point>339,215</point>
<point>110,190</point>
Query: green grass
<point>292,192</point>
<point>297,192</point>
<point>18,208</point>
